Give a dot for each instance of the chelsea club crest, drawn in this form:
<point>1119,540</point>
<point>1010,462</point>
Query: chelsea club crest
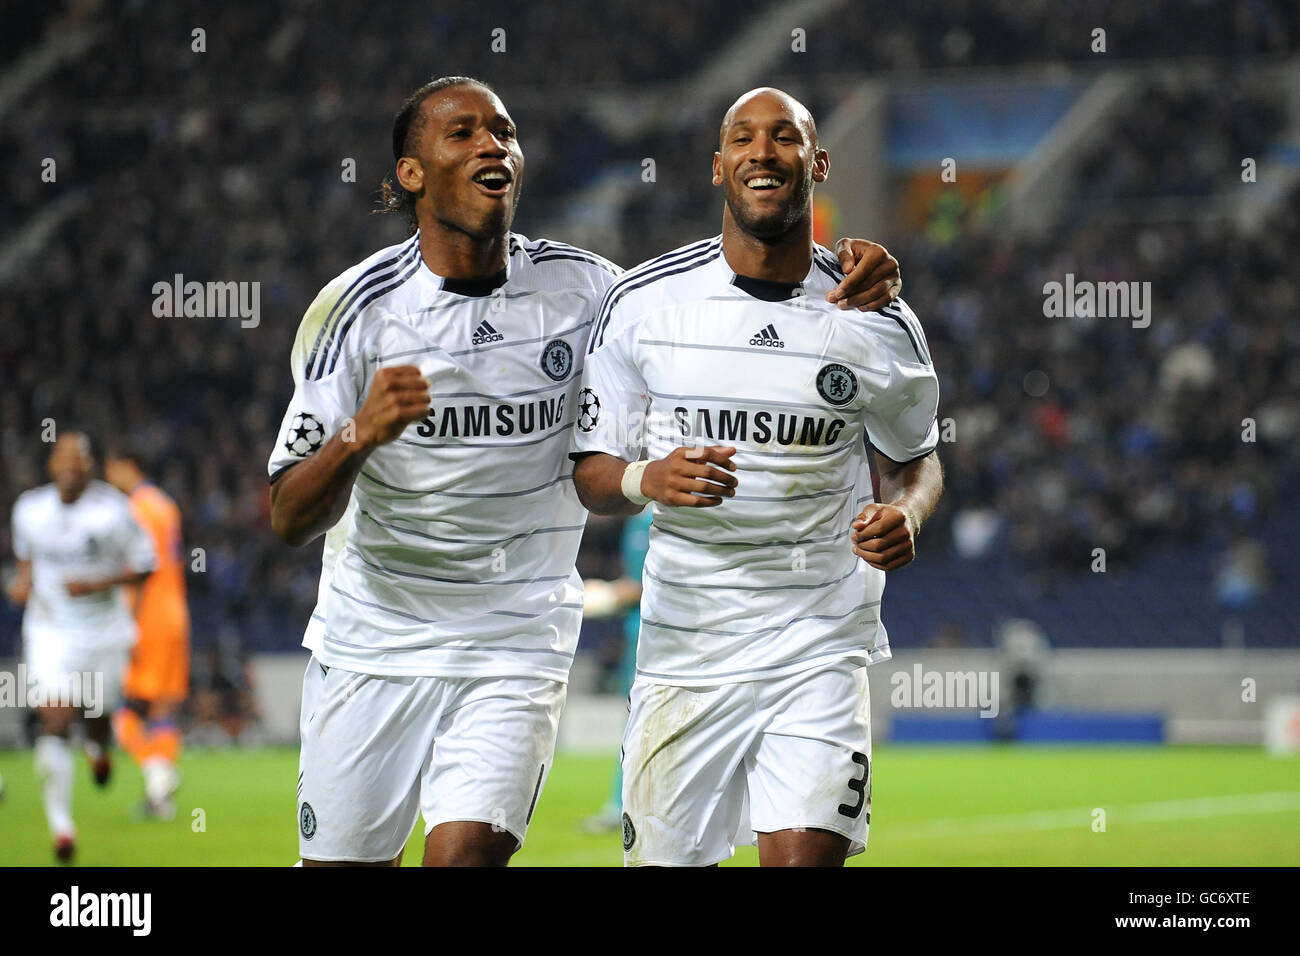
<point>837,384</point>
<point>557,359</point>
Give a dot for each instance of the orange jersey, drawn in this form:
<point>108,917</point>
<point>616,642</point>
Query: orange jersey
<point>161,612</point>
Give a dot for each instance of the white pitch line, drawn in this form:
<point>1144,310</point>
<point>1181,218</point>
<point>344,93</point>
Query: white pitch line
<point>1153,812</point>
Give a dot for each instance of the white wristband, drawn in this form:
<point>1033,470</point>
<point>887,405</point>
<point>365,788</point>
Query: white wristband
<point>632,484</point>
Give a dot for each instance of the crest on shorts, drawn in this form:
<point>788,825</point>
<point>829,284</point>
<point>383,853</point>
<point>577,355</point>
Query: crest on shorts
<point>307,821</point>
<point>557,359</point>
<point>629,833</point>
<point>837,384</point>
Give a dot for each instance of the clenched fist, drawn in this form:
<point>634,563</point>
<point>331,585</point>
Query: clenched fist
<point>398,396</point>
<point>885,536</point>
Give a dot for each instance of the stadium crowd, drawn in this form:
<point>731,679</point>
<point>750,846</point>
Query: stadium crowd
<point>229,165</point>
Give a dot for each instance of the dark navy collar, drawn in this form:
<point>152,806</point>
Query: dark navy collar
<point>475,287</point>
<point>766,289</point>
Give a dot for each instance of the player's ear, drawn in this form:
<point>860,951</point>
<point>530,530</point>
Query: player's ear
<point>821,166</point>
<point>717,169</point>
<point>410,174</point>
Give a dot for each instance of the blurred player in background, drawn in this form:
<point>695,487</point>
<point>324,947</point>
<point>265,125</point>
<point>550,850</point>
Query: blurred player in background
<point>749,717</point>
<point>157,678</point>
<point>450,604</point>
<point>621,596</point>
<point>78,550</point>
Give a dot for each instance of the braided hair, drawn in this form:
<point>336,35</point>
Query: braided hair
<point>408,124</point>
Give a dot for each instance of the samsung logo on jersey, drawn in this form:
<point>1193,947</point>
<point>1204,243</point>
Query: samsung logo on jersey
<point>729,424</point>
<point>473,421</point>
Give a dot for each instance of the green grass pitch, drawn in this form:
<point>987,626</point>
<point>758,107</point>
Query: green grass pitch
<point>932,806</point>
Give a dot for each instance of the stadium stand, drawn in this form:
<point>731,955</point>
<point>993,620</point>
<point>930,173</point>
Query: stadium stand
<point>231,170</point>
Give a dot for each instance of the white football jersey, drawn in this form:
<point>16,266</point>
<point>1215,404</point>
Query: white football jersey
<point>457,555</point>
<point>684,353</point>
<point>93,538</point>
<point>335,538</point>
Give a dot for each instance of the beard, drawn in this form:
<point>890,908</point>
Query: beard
<point>494,222</point>
<point>491,224</point>
<point>775,223</point>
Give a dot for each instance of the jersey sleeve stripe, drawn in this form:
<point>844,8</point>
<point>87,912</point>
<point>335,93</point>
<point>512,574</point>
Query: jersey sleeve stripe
<point>328,325</point>
<point>376,273</point>
<point>911,337</point>
<point>912,328</point>
<point>544,249</point>
<point>637,279</point>
<point>905,310</point>
<point>599,263</point>
<point>653,266</point>
<point>346,323</point>
<point>825,257</point>
<point>834,274</point>
<point>279,473</point>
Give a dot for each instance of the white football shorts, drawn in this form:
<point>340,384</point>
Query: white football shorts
<point>705,768</point>
<point>377,751</point>
<point>61,673</point>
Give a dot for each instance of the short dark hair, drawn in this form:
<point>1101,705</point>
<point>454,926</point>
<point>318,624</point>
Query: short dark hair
<point>124,451</point>
<point>408,124</point>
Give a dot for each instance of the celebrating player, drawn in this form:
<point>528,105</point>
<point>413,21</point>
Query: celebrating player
<point>449,603</point>
<point>769,418</point>
<point>158,677</point>
<point>78,548</point>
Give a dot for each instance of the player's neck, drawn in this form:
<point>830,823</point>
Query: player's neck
<point>784,259</point>
<point>73,496</point>
<point>453,254</point>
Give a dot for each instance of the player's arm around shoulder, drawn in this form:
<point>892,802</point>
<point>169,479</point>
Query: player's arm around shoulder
<point>871,276</point>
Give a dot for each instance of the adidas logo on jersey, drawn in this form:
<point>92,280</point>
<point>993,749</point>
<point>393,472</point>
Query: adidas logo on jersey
<point>485,334</point>
<point>767,338</point>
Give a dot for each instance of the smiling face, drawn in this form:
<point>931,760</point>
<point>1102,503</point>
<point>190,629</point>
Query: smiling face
<point>464,162</point>
<point>767,162</point>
